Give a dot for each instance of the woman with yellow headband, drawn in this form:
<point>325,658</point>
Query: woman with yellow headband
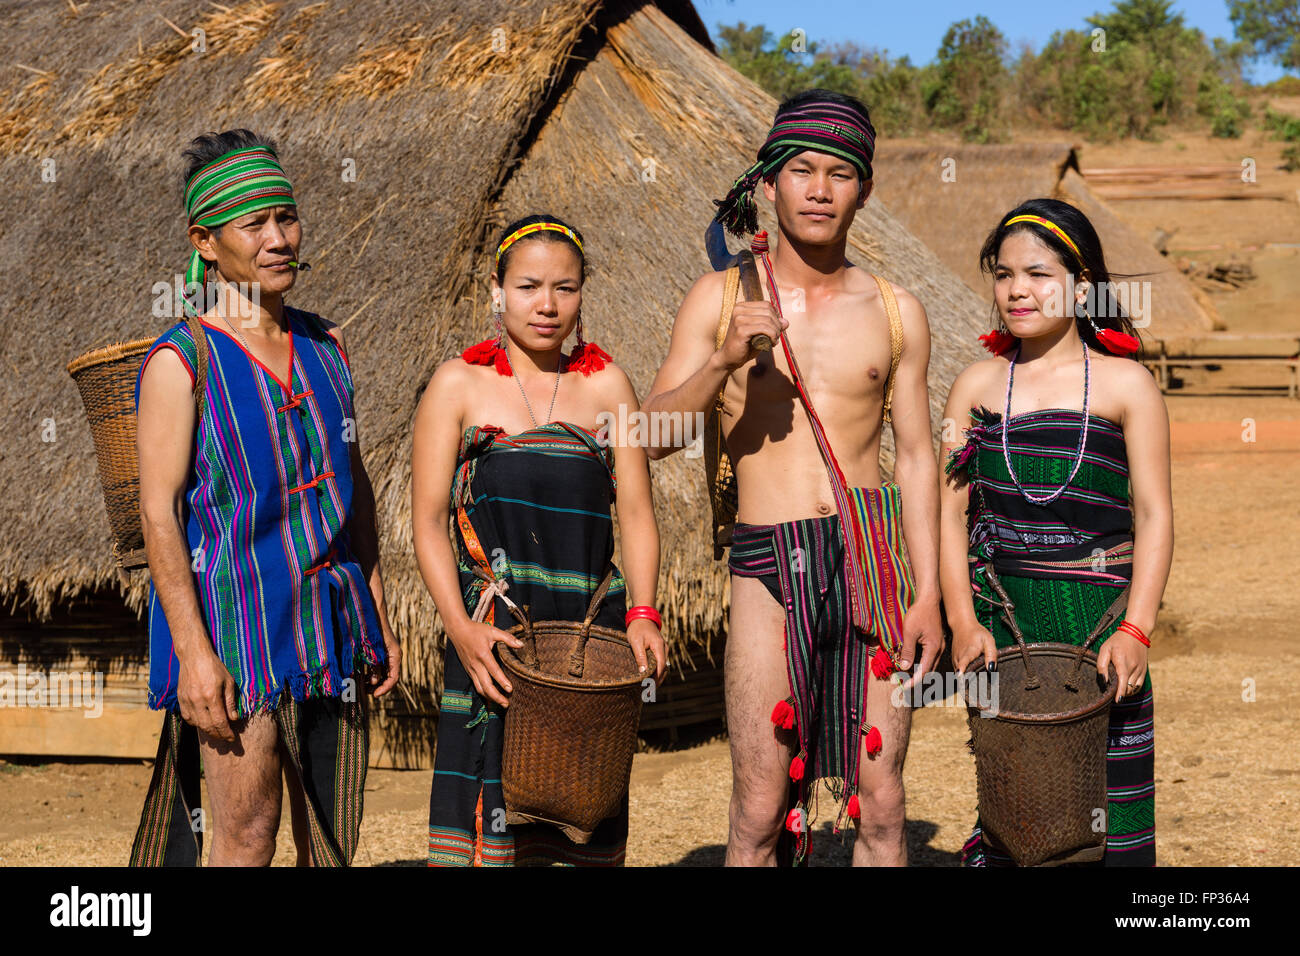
<point>511,426</point>
<point>1059,495</point>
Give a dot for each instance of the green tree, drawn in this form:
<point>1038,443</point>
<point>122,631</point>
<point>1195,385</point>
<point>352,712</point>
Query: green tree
<point>755,53</point>
<point>1272,27</point>
<point>967,84</point>
<point>890,89</point>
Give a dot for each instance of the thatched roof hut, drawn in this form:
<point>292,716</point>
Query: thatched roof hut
<point>617,115</point>
<point>951,195</point>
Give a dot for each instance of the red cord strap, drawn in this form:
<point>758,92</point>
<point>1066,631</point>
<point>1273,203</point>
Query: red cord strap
<point>857,539</point>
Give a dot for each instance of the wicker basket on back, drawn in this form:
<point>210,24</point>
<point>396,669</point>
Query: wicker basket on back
<point>570,730</point>
<point>1040,760</point>
<point>106,379</point>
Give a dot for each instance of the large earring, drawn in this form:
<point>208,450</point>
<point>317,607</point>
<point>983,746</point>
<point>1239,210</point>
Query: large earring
<point>497,312</point>
<point>1000,340</point>
<point>1114,341</point>
<point>581,341</point>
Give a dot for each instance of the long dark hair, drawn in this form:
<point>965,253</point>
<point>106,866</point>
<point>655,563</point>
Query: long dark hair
<point>1108,312</point>
<point>544,235</point>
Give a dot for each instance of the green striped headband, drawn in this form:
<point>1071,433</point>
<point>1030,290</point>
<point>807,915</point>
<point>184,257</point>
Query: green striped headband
<point>232,185</point>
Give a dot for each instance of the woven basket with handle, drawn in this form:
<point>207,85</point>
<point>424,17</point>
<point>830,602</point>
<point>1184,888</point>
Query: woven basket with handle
<point>1040,761</point>
<point>106,379</point>
<point>570,730</point>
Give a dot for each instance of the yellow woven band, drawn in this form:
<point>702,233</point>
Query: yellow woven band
<point>531,228</point>
<point>1048,224</point>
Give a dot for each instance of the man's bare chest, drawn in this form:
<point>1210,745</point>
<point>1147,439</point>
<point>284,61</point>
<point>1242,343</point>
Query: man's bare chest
<point>840,355</point>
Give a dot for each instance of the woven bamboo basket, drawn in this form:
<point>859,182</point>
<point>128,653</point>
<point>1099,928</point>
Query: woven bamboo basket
<point>570,730</point>
<point>1040,761</point>
<point>106,379</point>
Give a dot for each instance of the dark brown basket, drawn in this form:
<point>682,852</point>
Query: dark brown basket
<point>106,379</point>
<point>1040,761</point>
<point>570,730</point>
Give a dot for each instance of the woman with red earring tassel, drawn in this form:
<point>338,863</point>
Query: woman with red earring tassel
<point>1057,506</point>
<point>513,427</point>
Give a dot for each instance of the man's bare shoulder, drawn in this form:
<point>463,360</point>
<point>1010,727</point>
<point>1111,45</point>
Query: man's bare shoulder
<point>862,281</point>
<point>703,302</point>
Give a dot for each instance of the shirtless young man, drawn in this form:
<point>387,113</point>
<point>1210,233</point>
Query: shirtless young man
<point>816,169</point>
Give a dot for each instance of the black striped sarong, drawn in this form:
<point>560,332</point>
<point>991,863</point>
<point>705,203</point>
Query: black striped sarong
<point>328,743</point>
<point>538,503</point>
<point>827,659</point>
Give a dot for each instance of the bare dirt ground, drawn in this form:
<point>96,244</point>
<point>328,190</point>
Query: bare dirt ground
<point>1225,664</point>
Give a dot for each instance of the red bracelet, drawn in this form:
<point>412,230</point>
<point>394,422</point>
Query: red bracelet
<point>1134,631</point>
<point>643,611</point>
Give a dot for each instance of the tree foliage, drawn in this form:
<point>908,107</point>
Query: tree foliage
<point>1127,72</point>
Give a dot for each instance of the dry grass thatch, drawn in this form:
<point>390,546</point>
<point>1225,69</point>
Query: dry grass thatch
<point>952,195</point>
<point>585,94</point>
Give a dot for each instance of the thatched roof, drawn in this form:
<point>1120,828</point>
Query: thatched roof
<point>952,195</point>
<point>449,139</point>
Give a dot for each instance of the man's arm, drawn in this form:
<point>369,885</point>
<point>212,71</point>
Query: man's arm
<point>206,693</point>
<point>917,476</point>
<point>695,370</point>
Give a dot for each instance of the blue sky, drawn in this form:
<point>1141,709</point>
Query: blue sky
<point>915,28</point>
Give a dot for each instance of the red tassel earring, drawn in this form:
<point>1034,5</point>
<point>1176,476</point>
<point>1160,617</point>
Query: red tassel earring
<point>587,357</point>
<point>490,351</point>
<point>1115,341</point>
<point>999,341</point>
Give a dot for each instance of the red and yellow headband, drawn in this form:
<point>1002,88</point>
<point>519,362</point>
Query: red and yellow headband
<point>533,227</point>
<point>1052,227</point>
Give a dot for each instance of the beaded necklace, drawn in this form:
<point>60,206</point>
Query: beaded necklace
<point>1006,427</point>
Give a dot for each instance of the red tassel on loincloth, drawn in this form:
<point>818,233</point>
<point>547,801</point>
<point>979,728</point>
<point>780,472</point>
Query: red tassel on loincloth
<point>796,769</point>
<point>873,742</point>
<point>881,665</point>
<point>855,808</point>
<point>783,714</point>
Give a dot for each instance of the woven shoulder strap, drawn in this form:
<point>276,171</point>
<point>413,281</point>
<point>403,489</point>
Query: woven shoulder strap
<point>729,292</point>
<point>200,360</point>
<point>719,477</point>
<point>895,339</point>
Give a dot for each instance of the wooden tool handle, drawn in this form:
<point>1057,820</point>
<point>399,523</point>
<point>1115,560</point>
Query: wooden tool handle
<point>753,292</point>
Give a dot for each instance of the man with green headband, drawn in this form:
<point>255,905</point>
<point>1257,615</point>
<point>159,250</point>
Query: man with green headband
<point>266,605</point>
<point>826,607</point>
